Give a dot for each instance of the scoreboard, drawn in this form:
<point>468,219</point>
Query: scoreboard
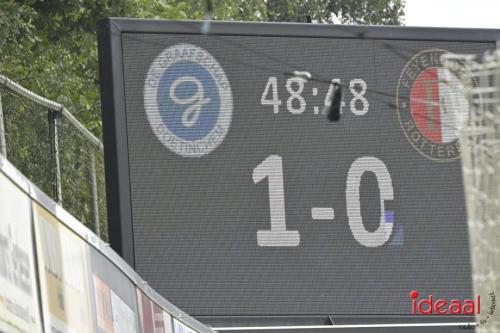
<point>231,193</point>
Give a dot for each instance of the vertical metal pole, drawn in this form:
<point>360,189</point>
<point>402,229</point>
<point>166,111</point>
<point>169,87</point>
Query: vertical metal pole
<point>54,155</point>
<point>3,146</point>
<point>95,201</point>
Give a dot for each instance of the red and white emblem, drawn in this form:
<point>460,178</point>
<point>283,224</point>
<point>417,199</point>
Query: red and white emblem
<point>432,106</point>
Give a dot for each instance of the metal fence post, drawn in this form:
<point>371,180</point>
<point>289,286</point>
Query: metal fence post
<point>54,155</point>
<point>56,113</point>
<point>3,146</point>
<point>95,201</point>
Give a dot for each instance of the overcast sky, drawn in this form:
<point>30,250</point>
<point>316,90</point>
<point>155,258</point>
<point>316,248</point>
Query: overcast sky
<point>453,13</point>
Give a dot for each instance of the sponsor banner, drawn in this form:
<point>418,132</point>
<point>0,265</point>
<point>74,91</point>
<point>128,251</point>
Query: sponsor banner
<point>63,272</point>
<point>19,308</point>
<point>104,309</point>
<point>113,315</point>
<point>152,317</point>
<point>124,318</point>
<point>181,328</point>
<point>145,312</point>
<point>114,297</point>
<point>159,321</point>
<point>167,320</point>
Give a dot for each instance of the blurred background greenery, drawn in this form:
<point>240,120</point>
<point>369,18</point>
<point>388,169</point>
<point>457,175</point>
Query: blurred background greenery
<point>50,48</point>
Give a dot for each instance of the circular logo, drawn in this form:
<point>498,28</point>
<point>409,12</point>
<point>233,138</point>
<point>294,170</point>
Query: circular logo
<point>188,100</point>
<point>432,105</point>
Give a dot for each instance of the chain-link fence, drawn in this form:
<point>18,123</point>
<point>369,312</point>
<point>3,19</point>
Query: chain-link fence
<point>55,151</point>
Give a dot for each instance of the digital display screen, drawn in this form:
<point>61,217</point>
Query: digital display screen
<point>245,199</point>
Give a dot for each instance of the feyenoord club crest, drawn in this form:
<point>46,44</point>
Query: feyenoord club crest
<point>432,105</point>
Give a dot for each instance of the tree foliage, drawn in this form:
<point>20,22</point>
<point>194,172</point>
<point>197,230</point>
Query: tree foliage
<point>50,46</point>
<point>388,12</point>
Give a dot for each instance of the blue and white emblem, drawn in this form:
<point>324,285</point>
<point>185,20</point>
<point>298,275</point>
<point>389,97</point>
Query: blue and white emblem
<point>188,100</point>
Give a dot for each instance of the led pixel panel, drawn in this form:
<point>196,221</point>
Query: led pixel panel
<point>232,194</point>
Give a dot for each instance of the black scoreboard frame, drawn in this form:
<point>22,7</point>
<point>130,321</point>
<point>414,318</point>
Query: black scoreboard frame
<point>110,30</point>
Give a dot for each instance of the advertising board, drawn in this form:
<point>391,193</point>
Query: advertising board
<point>63,274</point>
<point>19,304</point>
<point>115,297</point>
